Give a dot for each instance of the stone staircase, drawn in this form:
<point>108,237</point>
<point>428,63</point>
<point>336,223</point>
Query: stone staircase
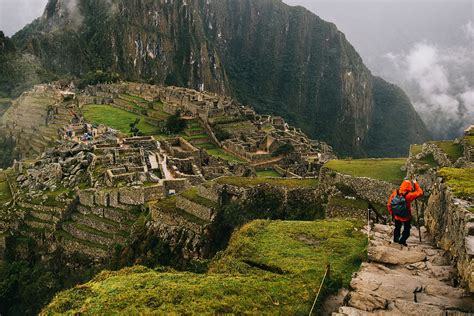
<point>414,280</point>
<point>195,133</point>
<point>95,234</point>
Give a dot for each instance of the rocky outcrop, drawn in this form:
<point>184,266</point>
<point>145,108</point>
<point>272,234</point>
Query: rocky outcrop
<point>413,280</point>
<point>451,224</point>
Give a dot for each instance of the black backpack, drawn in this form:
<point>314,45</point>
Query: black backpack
<point>399,205</point>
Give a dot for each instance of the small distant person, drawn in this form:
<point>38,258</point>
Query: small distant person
<point>399,206</point>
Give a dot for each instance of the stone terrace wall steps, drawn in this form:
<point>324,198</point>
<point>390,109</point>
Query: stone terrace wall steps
<point>73,244</point>
<point>84,232</point>
<point>102,224</point>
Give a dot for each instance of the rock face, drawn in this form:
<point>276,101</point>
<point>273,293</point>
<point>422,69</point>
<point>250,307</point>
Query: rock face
<point>412,280</point>
<point>280,59</point>
<point>451,223</point>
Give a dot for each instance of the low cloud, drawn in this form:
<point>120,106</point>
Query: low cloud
<point>440,83</point>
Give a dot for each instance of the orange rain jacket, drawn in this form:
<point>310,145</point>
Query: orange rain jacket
<point>405,187</point>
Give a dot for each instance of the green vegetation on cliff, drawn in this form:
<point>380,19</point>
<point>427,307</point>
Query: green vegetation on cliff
<point>268,267</point>
<point>389,170</point>
<point>460,180</point>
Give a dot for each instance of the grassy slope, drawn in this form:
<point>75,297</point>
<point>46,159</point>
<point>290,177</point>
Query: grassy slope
<point>381,169</point>
<point>268,173</point>
<point>452,150</point>
<point>116,118</point>
<point>460,181</point>
<point>297,251</point>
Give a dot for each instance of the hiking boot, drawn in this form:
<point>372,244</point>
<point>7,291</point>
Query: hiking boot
<point>403,244</point>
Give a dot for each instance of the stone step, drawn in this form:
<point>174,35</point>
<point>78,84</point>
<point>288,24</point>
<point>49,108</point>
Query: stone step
<point>101,224</point>
<point>88,233</point>
<point>73,244</point>
<point>39,223</point>
<point>44,216</point>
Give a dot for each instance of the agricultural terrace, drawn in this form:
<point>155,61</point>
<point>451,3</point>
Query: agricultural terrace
<point>460,180</point>
<point>389,170</point>
<point>116,118</point>
<point>282,182</point>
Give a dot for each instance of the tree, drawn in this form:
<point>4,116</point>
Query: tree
<point>134,130</point>
<point>175,124</point>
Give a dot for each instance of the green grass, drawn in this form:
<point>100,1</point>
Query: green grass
<point>133,98</point>
<point>380,169</point>
<point>470,140</point>
<point>238,126</point>
<point>268,267</point>
<point>283,182</point>
<point>452,150</point>
<point>215,151</point>
<point>192,195</point>
<point>268,173</point>
<point>416,149</point>
<point>220,153</point>
<point>116,118</point>
<point>460,181</point>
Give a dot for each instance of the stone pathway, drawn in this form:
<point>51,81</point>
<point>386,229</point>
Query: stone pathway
<point>413,280</point>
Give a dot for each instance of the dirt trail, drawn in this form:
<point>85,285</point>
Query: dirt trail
<point>413,280</point>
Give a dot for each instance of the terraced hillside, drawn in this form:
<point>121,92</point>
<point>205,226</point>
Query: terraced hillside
<point>269,267</point>
<point>33,121</point>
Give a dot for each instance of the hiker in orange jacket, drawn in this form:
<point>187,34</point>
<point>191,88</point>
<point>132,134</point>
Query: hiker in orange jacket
<point>409,191</point>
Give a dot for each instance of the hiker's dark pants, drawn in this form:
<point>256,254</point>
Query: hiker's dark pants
<point>405,233</point>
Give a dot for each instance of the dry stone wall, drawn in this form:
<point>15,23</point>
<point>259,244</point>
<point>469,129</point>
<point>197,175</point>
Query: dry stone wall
<point>376,191</point>
<point>195,209</point>
<point>451,224</point>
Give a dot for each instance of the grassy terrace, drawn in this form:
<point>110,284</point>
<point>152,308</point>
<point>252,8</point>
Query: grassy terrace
<point>215,151</point>
<point>283,182</point>
<point>460,181</point>
<point>192,195</point>
<point>416,149</point>
<point>268,267</point>
<point>380,169</point>
<point>169,206</point>
<point>452,150</point>
<point>470,140</point>
<point>268,173</point>
<point>116,118</point>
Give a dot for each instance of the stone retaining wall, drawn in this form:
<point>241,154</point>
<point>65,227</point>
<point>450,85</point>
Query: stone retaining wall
<point>451,224</point>
<point>193,208</point>
<point>372,190</point>
<point>208,193</point>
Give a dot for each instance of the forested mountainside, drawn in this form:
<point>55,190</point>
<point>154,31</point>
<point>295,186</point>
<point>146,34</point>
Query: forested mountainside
<point>280,59</point>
